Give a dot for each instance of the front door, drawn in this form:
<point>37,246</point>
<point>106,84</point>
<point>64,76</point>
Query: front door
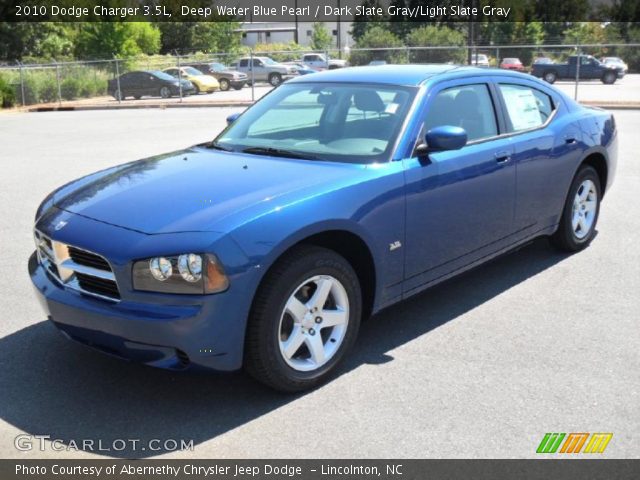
<point>460,204</point>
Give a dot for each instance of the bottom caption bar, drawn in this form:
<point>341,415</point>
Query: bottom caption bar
<point>318,469</point>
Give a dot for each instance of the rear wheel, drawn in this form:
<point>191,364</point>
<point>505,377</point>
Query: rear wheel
<point>275,79</point>
<point>119,95</point>
<point>609,78</point>
<point>305,317</point>
<point>580,214</point>
<point>550,77</point>
<point>224,84</point>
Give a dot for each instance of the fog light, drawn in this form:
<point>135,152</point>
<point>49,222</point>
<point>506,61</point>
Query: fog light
<point>160,268</point>
<point>190,267</point>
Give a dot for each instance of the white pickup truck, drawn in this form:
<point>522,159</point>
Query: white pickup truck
<point>318,61</point>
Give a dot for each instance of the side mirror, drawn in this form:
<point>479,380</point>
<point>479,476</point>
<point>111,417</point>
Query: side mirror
<point>443,138</point>
<point>232,118</point>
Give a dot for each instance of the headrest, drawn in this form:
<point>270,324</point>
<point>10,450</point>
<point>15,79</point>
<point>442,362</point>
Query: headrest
<point>368,101</point>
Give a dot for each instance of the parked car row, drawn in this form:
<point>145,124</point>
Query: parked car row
<point>209,77</point>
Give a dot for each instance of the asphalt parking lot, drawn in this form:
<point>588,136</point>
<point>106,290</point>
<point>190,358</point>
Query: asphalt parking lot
<point>481,366</point>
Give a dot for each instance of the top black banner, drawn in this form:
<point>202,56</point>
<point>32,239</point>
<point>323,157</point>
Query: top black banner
<point>439,11</point>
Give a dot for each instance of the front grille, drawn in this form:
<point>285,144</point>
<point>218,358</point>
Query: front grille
<point>76,268</point>
<point>101,286</point>
<point>88,259</point>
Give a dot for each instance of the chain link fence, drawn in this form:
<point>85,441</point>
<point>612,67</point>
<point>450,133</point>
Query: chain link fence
<point>57,83</point>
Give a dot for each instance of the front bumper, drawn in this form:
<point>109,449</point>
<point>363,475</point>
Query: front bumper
<point>163,330</point>
<point>171,337</point>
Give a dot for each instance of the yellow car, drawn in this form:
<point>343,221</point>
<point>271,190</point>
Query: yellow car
<point>201,82</point>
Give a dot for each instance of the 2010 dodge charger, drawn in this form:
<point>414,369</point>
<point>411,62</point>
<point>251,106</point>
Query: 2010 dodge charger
<point>336,195</point>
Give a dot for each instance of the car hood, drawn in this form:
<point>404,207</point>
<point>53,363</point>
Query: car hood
<point>195,189</point>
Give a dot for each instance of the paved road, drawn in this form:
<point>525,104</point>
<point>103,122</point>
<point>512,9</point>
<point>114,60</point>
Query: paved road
<point>482,366</point>
<point>625,90</point>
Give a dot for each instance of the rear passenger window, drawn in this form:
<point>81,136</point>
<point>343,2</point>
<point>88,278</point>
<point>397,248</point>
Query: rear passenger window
<point>526,107</point>
<point>467,106</point>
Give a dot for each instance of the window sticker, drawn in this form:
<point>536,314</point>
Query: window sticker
<point>522,107</point>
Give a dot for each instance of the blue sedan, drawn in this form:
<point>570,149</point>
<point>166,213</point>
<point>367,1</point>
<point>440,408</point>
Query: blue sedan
<point>336,195</point>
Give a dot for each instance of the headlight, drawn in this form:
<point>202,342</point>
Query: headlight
<point>189,273</point>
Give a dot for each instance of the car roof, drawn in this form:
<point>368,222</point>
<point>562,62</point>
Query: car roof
<point>408,75</point>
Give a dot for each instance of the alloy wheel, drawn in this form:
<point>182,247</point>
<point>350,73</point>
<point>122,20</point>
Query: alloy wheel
<point>314,323</point>
<point>584,209</point>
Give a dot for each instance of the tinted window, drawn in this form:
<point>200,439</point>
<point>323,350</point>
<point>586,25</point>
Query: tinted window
<point>244,63</point>
<point>526,107</point>
<point>467,106</point>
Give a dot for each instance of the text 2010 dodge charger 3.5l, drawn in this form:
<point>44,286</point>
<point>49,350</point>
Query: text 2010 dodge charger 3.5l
<point>336,195</point>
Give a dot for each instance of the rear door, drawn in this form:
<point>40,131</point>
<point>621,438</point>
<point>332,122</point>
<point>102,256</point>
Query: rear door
<point>460,203</point>
<point>547,147</point>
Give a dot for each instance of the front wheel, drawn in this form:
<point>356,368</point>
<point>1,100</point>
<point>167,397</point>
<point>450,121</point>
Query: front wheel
<point>224,84</point>
<point>305,317</point>
<point>580,214</point>
<point>165,92</point>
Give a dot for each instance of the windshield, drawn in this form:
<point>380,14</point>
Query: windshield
<point>218,67</point>
<point>324,121</point>
<point>192,71</point>
<point>164,76</point>
<point>268,61</point>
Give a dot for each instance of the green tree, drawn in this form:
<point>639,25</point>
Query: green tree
<point>200,36</point>
<point>584,33</point>
<point>123,39</point>
<point>378,37</point>
<point>320,37</point>
<point>35,39</point>
<point>432,36</point>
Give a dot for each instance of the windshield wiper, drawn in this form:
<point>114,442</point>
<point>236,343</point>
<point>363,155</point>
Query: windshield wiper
<point>217,146</point>
<point>279,152</point>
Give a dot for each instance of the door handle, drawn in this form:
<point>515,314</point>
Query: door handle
<point>503,157</point>
<point>569,140</point>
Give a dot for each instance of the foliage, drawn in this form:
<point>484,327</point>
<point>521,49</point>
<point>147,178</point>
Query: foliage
<point>203,36</point>
<point>41,85</point>
<point>320,38</point>
<point>585,32</point>
<point>285,51</point>
<point>437,36</point>
<point>7,94</point>
<point>378,37</point>
<point>121,39</point>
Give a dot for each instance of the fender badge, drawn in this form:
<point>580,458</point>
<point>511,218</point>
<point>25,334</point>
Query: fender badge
<point>60,225</point>
<point>394,246</point>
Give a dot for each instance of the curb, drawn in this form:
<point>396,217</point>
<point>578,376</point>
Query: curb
<point>71,108</point>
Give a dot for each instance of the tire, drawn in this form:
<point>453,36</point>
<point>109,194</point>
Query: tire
<point>165,92</point>
<point>196,90</point>
<point>137,97</point>
<point>550,76</point>
<point>275,79</point>
<point>577,226</point>
<point>238,87</point>
<point>224,84</point>
<point>294,280</point>
<point>119,95</point>
<point>609,78</point>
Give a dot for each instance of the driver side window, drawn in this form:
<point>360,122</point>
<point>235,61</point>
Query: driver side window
<point>466,106</point>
